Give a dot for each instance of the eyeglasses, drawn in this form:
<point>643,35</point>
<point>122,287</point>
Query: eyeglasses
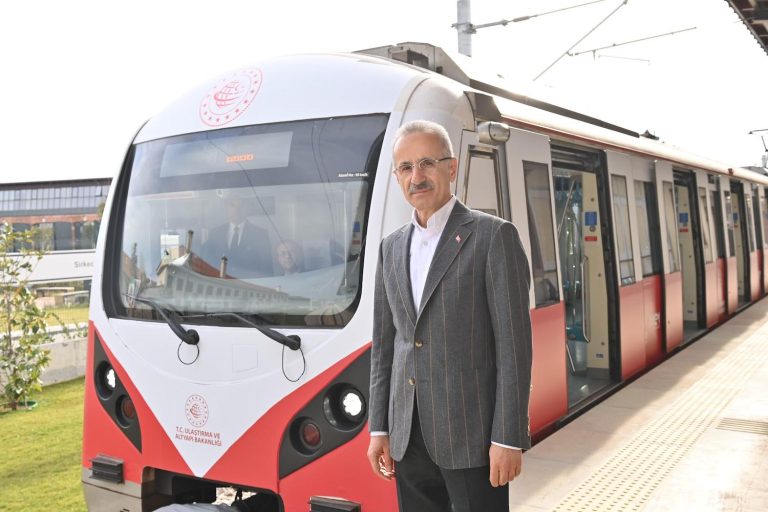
<point>425,165</point>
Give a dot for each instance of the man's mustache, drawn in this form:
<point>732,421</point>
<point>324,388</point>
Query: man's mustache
<point>424,185</point>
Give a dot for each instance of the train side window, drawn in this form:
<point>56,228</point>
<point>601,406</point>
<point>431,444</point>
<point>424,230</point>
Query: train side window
<point>650,252</point>
<point>482,184</point>
<point>623,233</point>
<point>670,220</point>
<point>729,223</point>
<point>705,232</point>
<point>717,215</point>
<point>542,234</point>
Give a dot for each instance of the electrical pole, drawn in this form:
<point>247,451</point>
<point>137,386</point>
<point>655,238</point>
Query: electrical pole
<point>464,27</point>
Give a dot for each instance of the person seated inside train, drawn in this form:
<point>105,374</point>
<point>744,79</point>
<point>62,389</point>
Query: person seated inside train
<point>246,246</point>
<point>290,257</point>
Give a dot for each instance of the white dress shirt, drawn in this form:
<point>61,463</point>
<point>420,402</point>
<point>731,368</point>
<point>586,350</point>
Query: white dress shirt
<point>423,245</point>
<point>231,234</point>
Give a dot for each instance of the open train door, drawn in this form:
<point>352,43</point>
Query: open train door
<point>583,220</point>
<point>693,237</point>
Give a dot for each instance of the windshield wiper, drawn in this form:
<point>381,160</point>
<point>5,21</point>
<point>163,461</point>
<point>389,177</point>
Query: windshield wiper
<point>188,336</point>
<point>291,341</point>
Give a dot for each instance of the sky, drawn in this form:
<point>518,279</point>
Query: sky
<point>81,77</point>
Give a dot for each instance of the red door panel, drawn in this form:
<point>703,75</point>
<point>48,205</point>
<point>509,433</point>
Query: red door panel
<point>673,287</point>
<point>549,396</point>
<point>733,285</point>
<point>652,315</point>
<point>631,304</point>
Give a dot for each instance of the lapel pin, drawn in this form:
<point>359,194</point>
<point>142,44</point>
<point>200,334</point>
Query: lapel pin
<point>458,239</point>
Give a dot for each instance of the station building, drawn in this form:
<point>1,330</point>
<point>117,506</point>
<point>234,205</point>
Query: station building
<point>66,215</point>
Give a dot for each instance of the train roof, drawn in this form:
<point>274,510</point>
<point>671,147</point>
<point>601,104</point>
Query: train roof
<point>531,113</point>
<point>315,86</point>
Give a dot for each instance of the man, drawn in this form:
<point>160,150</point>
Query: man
<point>246,246</point>
<point>451,357</point>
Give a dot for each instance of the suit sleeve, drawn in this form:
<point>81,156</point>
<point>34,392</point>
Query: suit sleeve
<point>381,353</point>
<point>508,282</point>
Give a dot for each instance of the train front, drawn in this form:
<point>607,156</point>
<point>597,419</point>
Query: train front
<point>230,326</point>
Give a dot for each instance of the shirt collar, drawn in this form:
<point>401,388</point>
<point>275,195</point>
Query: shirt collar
<point>439,219</point>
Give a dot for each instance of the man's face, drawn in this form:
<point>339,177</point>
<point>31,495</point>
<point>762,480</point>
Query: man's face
<point>425,191</point>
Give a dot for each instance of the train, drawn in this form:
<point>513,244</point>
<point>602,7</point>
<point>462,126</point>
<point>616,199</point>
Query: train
<point>231,311</point>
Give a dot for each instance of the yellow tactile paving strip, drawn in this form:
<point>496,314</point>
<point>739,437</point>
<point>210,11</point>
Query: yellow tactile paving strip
<point>630,476</point>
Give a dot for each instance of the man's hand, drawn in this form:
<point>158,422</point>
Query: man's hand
<point>378,455</point>
<point>506,464</point>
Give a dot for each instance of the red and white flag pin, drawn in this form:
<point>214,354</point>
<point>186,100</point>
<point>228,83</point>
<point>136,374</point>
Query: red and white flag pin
<point>458,238</point>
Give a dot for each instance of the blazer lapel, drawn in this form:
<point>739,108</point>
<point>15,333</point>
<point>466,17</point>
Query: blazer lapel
<point>457,231</point>
<point>402,254</point>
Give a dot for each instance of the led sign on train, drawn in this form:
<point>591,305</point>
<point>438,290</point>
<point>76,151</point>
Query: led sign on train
<point>239,158</point>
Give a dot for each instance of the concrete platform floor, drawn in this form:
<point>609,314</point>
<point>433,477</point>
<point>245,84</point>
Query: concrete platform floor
<point>690,435</point>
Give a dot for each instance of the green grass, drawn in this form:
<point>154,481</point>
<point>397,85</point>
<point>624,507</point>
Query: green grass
<point>40,452</point>
<point>69,315</point>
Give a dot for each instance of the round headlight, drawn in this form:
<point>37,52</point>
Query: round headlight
<point>352,405</point>
<point>106,380</point>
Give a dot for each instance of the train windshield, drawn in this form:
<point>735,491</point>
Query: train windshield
<point>265,221</point>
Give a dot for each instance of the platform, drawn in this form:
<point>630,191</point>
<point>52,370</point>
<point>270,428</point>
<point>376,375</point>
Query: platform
<point>690,435</point>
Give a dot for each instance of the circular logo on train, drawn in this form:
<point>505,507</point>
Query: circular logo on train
<point>196,409</point>
<point>230,97</point>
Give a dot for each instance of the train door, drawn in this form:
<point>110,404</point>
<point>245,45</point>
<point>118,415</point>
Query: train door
<point>690,238</point>
<point>670,248</point>
<point>637,259</point>
<point>732,281</point>
<point>716,270</point>
<point>741,241</point>
<point>582,217</point>
<point>530,173</point>
<point>758,275</point>
<point>764,216</point>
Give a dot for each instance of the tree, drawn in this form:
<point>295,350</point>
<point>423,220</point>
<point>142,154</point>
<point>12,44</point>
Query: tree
<point>22,360</point>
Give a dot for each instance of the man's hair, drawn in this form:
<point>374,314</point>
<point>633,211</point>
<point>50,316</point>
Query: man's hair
<point>429,127</point>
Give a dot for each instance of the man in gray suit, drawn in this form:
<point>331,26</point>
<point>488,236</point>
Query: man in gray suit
<point>451,356</point>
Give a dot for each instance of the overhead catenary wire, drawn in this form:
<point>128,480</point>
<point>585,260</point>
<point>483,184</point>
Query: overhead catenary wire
<point>574,45</point>
<point>615,45</point>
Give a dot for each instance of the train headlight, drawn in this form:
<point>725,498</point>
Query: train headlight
<point>344,407</point>
<point>352,404</point>
<point>106,380</point>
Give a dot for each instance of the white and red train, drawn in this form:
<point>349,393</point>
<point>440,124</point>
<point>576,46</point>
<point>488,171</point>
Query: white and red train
<point>208,368</point>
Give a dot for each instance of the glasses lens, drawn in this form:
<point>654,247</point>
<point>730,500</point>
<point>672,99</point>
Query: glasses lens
<point>405,168</point>
<point>427,164</point>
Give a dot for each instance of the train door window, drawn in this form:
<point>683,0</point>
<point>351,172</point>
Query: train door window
<point>670,220</point>
<point>623,233</point>
<point>717,215</point>
<point>764,208</point>
<point>757,205</point>
<point>705,232</point>
<point>482,190</point>
<point>729,223</point>
<point>645,204</point>
<point>542,234</point>
<point>750,221</point>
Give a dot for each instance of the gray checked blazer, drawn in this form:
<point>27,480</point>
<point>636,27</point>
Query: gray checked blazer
<point>465,353</point>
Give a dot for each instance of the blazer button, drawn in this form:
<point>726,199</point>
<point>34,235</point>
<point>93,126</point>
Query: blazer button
<point>419,344</point>
<point>412,381</point>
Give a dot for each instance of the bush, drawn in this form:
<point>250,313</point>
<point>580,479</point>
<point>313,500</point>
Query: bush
<point>24,324</point>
